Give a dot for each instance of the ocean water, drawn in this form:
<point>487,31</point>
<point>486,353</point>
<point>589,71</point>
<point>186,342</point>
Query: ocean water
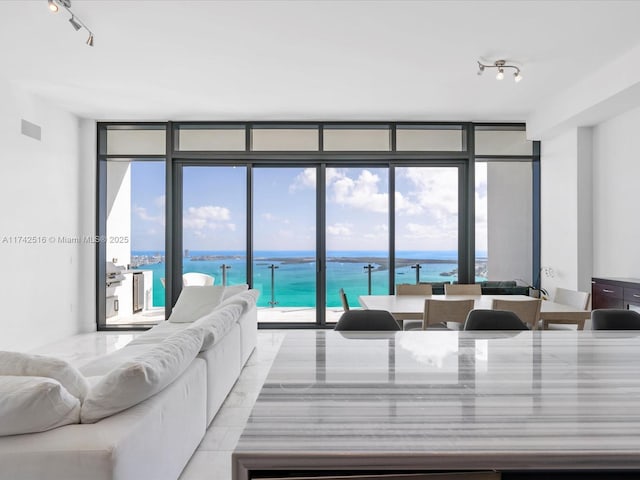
<point>292,281</point>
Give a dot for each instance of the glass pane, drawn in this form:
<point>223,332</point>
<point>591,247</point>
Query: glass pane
<point>135,242</point>
<point>357,235</point>
<point>366,139</point>
<point>425,138</point>
<point>504,221</point>
<point>426,224</point>
<point>297,139</point>
<point>136,142</point>
<point>211,139</point>
<point>284,242</point>
<point>214,225</point>
<point>505,141</point>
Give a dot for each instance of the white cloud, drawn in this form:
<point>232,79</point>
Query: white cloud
<point>208,216</point>
<point>305,179</point>
<point>143,214</point>
<point>340,229</point>
<point>362,192</point>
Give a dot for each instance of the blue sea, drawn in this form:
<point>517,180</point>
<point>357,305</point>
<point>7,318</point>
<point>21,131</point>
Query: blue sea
<point>294,280</point>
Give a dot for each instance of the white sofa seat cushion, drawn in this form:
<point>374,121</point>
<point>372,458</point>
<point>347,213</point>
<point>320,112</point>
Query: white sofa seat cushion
<point>32,404</point>
<point>217,324</point>
<point>24,364</point>
<point>142,377</point>
<point>195,302</point>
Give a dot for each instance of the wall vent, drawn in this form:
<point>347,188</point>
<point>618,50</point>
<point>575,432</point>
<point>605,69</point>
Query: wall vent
<point>31,130</point>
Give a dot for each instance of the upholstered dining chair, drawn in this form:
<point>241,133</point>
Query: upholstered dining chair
<point>442,314</point>
<point>343,299</point>
<point>412,289</point>
<point>527,310</point>
<point>572,298</point>
<point>493,320</point>
<point>615,319</point>
<point>462,289</point>
<point>367,320</point>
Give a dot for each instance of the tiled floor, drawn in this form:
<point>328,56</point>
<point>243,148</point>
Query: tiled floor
<point>212,459</point>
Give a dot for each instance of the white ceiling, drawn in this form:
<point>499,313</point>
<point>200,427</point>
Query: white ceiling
<point>316,60</point>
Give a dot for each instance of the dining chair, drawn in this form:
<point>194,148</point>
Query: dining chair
<point>527,310</point>
<point>412,289</point>
<point>493,320</point>
<point>573,298</point>
<point>462,289</point>
<point>343,299</point>
<point>439,313</point>
<point>197,279</point>
<point>367,320</point>
<point>615,319</point>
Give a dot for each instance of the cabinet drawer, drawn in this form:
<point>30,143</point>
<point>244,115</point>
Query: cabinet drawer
<point>632,295</point>
<point>606,296</point>
<point>605,290</point>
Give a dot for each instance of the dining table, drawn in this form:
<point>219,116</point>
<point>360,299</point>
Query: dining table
<point>411,307</point>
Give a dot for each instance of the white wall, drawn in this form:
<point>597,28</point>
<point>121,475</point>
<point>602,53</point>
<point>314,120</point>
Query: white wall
<point>509,235</point>
<point>566,206</point>
<point>46,191</point>
<point>616,179</point>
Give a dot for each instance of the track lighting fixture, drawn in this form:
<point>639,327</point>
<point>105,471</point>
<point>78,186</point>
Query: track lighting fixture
<point>76,23</point>
<point>500,65</point>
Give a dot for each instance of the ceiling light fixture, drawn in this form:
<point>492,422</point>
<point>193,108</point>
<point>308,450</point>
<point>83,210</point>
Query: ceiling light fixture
<point>76,23</point>
<point>500,65</point>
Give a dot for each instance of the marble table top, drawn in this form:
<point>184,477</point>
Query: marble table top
<point>448,400</point>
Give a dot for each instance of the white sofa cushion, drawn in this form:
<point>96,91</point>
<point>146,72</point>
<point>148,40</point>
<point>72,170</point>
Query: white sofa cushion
<point>232,290</point>
<point>144,376</point>
<point>31,404</point>
<point>216,324</point>
<point>195,302</point>
<point>103,364</point>
<point>246,299</point>
<point>24,364</point>
<point>158,333</point>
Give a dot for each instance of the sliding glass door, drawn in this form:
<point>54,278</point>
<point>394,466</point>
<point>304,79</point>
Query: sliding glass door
<point>214,225</point>
<point>284,243</point>
<point>426,225</point>
<point>357,235</point>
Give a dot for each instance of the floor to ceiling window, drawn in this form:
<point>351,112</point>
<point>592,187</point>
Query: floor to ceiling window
<point>299,211</point>
<point>214,225</point>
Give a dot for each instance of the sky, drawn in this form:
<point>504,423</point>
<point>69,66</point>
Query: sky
<point>214,208</point>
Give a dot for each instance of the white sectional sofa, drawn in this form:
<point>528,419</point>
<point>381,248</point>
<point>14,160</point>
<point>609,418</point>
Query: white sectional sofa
<point>154,438</point>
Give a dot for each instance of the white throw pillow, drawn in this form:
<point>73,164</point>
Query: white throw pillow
<point>34,404</point>
<point>195,302</point>
<point>142,377</point>
<point>232,290</point>
<point>24,364</point>
<point>247,299</point>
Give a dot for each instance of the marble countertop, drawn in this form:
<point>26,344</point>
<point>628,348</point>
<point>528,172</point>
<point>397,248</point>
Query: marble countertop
<point>448,400</point>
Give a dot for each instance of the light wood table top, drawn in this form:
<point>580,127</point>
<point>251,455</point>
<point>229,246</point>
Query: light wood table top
<point>412,306</point>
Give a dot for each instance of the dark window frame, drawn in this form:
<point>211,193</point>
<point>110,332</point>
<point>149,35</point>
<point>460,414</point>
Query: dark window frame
<point>464,160</point>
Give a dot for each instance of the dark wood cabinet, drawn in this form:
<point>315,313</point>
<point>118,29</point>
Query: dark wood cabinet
<point>615,293</point>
